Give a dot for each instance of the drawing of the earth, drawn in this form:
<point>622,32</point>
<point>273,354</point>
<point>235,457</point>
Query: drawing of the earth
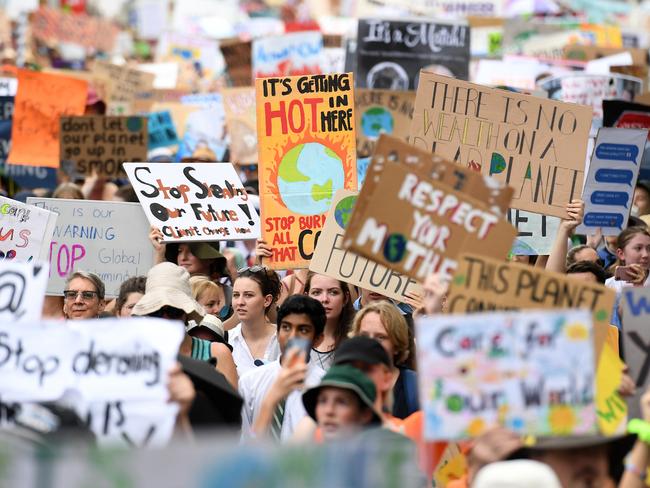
<point>308,177</point>
<point>376,120</point>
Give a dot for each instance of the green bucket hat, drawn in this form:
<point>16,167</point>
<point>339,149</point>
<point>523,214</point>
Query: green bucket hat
<point>347,378</point>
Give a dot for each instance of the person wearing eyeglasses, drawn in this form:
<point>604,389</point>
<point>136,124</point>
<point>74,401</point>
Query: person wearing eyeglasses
<point>168,295</point>
<point>83,297</point>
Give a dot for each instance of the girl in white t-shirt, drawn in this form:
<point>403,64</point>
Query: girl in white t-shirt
<point>632,252</point>
<point>254,340</point>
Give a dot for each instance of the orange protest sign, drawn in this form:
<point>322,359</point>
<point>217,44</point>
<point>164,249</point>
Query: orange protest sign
<point>306,143</point>
<point>40,101</point>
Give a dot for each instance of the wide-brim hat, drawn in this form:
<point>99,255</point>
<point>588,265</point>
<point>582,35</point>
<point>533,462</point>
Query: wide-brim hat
<point>168,285</point>
<point>347,378</point>
<point>202,250</point>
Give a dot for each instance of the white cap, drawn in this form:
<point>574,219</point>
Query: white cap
<point>520,473</point>
<point>211,322</point>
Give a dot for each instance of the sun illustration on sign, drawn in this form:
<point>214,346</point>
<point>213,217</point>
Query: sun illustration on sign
<point>308,170</point>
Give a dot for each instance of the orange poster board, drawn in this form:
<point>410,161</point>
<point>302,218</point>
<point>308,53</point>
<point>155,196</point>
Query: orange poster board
<point>306,143</point>
<point>40,101</point>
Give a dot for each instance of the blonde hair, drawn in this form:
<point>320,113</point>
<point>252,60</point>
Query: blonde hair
<point>396,328</point>
<point>200,284</point>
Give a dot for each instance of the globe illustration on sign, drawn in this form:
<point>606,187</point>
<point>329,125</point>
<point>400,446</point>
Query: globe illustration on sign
<point>521,248</point>
<point>308,176</point>
<point>343,211</point>
<point>376,120</point>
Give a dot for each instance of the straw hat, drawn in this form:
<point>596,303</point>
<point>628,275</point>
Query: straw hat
<point>168,285</point>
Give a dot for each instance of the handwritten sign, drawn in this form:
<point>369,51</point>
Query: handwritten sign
<point>535,233</point>
<point>109,239</point>
<point>23,291</point>
<point>8,87</point>
<point>609,187</point>
<point>529,372</point>
<point>306,141</point>
<point>32,177</point>
<point>40,101</point>
<point>128,358</point>
<point>636,341</point>
<point>100,144</point>
<point>610,405</point>
<point>52,25</point>
<point>121,83</point>
<point>536,146</point>
<point>417,225</point>
<point>391,53</point>
<point>381,112</point>
<point>25,231</point>
<point>194,201</point>
<point>161,129</point>
<point>241,121</point>
<point>331,259</point>
<point>296,53</point>
<point>483,284</point>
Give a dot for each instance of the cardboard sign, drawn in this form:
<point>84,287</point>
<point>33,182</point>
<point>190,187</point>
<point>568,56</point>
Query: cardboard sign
<point>6,116</point>
<point>636,341</point>
<point>296,53</point>
<point>162,132</point>
<point>40,101</point>
<point>306,142</point>
<point>482,284</point>
<point>51,25</point>
<point>331,259</point>
<point>391,53</point>
<point>23,291</point>
<point>415,224</point>
<point>194,201</point>
<point>237,55</point>
<point>535,233</point>
<point>49,357</point>
<point>381,112</point>
<point>241,121</point>
<point>110,239</point>
<point>532,373</point>
<point>121,83</point>
<point>609,187</point>
<point>536,146</point>
<point>100,144</point>
<point>582,52</point>
<point>25,231</point>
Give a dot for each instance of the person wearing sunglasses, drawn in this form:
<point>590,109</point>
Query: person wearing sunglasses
<point>83,296</point>
<point>168,295</point>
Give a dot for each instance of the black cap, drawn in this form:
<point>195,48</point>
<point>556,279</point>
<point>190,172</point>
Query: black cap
<point>362,349</point>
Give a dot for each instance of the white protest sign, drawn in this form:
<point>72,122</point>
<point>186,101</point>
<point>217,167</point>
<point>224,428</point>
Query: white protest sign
<point>131,424</point>
<point>609,186</point>
<point>35,361</point>
<point>8,87</point>
<point>101,360</point>
<point>129,359</point>
<point>535,232</point>
<point>110,239</point>
<point>194,201</point>
<point>25,231</point>
<point>22,290</point>
<point>636,341</point>
<point>531,372</point>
